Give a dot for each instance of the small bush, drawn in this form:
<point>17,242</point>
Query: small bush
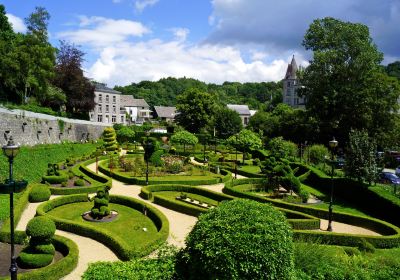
<point>79,183</point>
<point>63,184</point>
<point>155,158</point>
<point>316,153</point>
<point>304,195</point>
<point>41,227</point>
<point>240,239</point>
<point>39,193</point>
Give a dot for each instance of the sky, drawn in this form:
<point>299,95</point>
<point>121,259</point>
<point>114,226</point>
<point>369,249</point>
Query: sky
<point>213,41</point>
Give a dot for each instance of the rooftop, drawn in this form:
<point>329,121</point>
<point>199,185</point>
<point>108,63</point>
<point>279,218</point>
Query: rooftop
<point>129,101</point>
<point>103,88</point>
<point>240,109</point>
<point>165,112</point>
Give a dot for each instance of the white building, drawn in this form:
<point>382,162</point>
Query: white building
<point>243,111</point>
<point>137,109</point>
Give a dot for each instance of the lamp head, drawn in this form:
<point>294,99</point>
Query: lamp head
<point>11,149</point>
<point>333,143</point>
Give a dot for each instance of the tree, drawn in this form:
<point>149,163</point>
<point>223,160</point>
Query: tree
<point>125,134</point>
<point>245,141</point>
<point>282,149</point>
<point>338,80</point>
<point>54,98</point>
<point>195,109</point>
<point>184,138</point>
<point>226,122</point>
<point>69,77</point>
<point>393,69</point>
<point>240,239</point>
<point>361,157</point>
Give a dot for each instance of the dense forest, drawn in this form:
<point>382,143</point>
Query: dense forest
<point>164,92</point>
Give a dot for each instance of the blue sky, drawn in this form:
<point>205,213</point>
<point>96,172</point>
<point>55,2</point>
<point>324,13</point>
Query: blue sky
<point>214,41</point>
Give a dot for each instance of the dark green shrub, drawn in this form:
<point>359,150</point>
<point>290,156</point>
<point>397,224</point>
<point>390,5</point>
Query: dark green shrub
<point>63,184</point>
<point>39,193</point>
<point>364,246</point>
<point>240,239</point>
<point>304,195</point>
<point>79,183</point>
<point>40,250</point>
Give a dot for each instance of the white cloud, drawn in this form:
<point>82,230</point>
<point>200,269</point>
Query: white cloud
<point>100,31</point>
<point>180,33</point>
<point>140,5</point>
<point>151,60</point>
<point>116,1</point>
<point>17,23</point>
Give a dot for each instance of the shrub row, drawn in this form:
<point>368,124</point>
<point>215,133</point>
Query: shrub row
<point>244,173</point>
<point>391,233</point>
<point>208,180</point>
<point>361,195</point>
<point>118,245</point>
<point>59,269</point>
<point>53,179</point>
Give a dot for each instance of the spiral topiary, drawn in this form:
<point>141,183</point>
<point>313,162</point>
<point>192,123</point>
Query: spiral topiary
<point>40,251</point>
<point>100,208</point>
<point>110,139</point>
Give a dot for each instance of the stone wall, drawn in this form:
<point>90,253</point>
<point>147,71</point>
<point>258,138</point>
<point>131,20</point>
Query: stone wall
<point>28,128</point>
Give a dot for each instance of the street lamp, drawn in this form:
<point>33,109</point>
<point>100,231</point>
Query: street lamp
<point>148,147</point>
<point>236,155</point>
<point>332,144</point>
<point>11,150</point>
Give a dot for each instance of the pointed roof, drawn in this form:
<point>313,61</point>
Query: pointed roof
<point>240,109</point>
<point>291,70</point>
<point>129,101</point>
<point>165,112</point>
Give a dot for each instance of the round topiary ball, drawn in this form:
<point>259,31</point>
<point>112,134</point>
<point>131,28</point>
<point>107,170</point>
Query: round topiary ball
<point>240,239</point>
<point>41,228</point>
<point>39,193</point>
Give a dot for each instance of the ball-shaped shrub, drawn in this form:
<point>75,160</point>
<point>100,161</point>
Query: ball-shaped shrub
<point>240,239</point>
<point>39,193</point>
<point>41,228</point>
<point>79,182</point>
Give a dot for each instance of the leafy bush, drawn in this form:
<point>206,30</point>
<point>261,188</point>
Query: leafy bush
<point>79,183</point>
<point>304,195</point>
<point>240,239</point>
<point>39,193</point>
<point>316,153</point>
<point>125,134</point>
<point>280,148</point>
<point>155,158</point>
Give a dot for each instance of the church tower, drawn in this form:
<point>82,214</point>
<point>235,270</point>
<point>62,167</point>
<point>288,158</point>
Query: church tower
<point>290,86</point>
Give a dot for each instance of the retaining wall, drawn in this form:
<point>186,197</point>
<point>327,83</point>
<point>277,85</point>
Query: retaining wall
<point>29,128</point>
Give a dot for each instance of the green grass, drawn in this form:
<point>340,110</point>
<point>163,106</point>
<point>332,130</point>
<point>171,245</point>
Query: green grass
<point>251,168</point>
<point>172,195</point>
<point>128,225</point>
<point>313,191</point>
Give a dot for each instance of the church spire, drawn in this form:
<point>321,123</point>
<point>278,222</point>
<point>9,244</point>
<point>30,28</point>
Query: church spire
<point>291,69</point>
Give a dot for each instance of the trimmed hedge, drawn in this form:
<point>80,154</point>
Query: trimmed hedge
<point>208,180</point>
<point>364,197</point>
<point>55,179</point>
<point>39,193</point>
<point>244,173</point>
<point>116,244</point>
<point>59,269</point>
<point>97,181</point>
<point>391,233</point>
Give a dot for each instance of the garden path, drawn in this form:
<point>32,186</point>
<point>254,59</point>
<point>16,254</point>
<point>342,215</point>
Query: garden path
<point>346,228</point>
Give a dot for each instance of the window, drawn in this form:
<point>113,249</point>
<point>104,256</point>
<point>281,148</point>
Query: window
<point>107,119</point>
<point>114,99</point>
<point>100,98</point>
<point>122,119</point>
<point>113,119</point>
<point>107,109</point>
<point>100,118</point>
<point>99,108</point>
<point>107,98</point>
<point>114,109</point>
<point>246,121</point>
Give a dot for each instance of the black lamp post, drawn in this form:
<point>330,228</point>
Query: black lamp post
<point>148,147</point>
<point>11,150</point>
<point>332,144</point>
<point>236,155</point>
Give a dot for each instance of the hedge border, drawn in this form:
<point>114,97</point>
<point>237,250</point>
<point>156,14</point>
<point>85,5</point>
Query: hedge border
<point>296,219</point>
<point>116,244</point>
<point>97,181</point>
<point>227,175</point>
<point>390,234</point>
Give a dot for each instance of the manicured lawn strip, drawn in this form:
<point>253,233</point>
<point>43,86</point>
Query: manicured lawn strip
<point>58,269</point>
<point>250,168</point>
<point>170,179</point>
<point>116,235</point>
<point>390,238</point>
<point>313,191</point>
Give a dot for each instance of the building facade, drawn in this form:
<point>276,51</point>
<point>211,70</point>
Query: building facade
<point>108,106</point>
<point>291,85</point>
<point>137,110</point>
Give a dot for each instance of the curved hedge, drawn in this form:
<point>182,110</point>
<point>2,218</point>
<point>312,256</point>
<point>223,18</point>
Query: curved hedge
<point>118,245</point>
<point>296,219</point>
<point>97,181</point>
<point>391,233</point>
<point>208,180</point>
<point>57,270</point>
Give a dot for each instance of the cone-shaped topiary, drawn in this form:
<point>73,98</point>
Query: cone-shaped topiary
<point>110,139</point>
<point>40,251</point>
